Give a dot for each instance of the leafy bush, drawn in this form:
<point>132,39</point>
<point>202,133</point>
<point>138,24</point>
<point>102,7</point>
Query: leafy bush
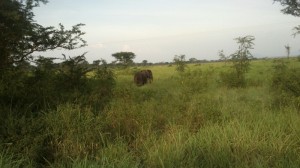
<point>240,63</point>
<point>101,87</point>
<point>285,84</point>
<point>49,85</point>
<point>28,95</point>
<point>72,74</point>
<point>180,63</point>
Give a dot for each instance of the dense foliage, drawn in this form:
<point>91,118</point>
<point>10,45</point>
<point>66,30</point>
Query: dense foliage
<point>21,36</point>
<point>31,87</point>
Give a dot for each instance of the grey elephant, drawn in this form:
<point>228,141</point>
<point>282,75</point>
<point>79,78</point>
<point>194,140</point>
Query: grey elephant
<point>142,77</point>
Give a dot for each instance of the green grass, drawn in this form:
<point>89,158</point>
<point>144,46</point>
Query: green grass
<point>7,161</point>
<point>180,120</point>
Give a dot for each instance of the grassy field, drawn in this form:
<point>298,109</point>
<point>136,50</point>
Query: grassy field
<point>188,119</point>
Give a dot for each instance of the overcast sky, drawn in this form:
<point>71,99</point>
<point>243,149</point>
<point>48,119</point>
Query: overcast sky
<point>157,30</point>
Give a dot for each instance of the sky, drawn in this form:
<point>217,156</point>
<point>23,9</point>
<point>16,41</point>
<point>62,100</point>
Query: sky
<point>157,30</point>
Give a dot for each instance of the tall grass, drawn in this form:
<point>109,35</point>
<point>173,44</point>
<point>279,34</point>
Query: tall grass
<point>185,119</point>
<point>7,161</point>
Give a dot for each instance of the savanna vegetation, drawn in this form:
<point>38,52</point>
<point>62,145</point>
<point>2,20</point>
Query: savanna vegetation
<point>182,119</point>
<point>236,113</point>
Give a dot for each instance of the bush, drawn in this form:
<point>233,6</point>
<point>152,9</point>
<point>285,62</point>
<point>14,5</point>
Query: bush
<point>285,84</point>
<point>28,98</point>
<point>49,84</point>
<point>240,63</point>
<point>180,63</point>
<point>102,85</point>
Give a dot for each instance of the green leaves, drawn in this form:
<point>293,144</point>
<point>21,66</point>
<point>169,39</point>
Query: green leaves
<point>292,7</point>
<point>179,60</point>
<point>240,62</point>
<point>20,35</point>
<point>242,56</point>
<point>125,58</point>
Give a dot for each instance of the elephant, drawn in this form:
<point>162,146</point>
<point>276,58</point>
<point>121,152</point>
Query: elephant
<point>142,77</point>
<point>149,76</point>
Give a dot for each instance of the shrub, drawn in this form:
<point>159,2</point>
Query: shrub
<point>285,84</point>
<point>28,97</point>
<point>180,63</point>
<point>102,85</point>
<point>240,63</point>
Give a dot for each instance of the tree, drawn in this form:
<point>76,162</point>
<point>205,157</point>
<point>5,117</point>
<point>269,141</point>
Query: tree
<point>297,30</point>
<point>125,58</point>
<point>96,62</point>
<point>193,60</point>
<point>180,63</point>
<point>292,7</point>
<point>144,62</point>
<point>240,63</point>
<point>241,58</point>
<point>21,36</point>
<point>223,57</point>
<point>288,50</point>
